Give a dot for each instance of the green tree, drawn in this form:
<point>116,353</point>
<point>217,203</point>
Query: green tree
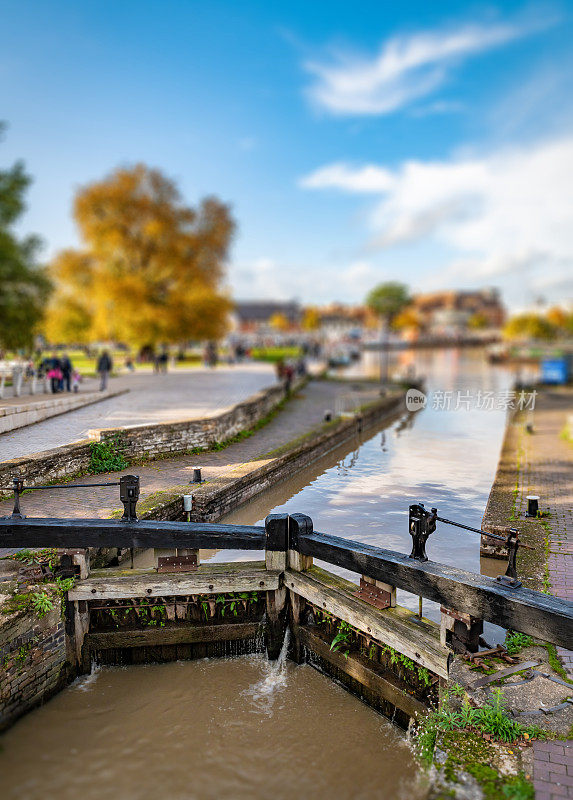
<point>24,286</point>
<point>387,300</point>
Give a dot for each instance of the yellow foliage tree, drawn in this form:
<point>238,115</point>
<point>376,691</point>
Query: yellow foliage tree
<point>151,268</point>
<point>407,319</point>
<point>279,322</point>
<point>311,319</point>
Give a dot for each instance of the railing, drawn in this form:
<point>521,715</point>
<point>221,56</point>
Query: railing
<point>503,602</point>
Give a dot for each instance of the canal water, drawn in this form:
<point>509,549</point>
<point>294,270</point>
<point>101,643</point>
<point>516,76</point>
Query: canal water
<point>444,456</point>
<point>241,727</point>
<point>215,729</point>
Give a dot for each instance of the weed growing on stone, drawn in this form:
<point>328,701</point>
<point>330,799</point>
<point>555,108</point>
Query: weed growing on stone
<point>515,641</point>
<point>106,456</point>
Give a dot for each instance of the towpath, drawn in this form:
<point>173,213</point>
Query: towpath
<point>547,470</point>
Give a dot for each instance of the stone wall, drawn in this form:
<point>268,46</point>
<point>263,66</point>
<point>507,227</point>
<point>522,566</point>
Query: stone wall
<point>32,661</point>
<point>219,496</point>
<point>142,441</point>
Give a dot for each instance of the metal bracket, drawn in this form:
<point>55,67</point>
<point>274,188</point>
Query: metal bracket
<point>510,578</point>
<point>421,524</point>
<point>177,563</point>
<point>373,595</point>
<point>18,485</point>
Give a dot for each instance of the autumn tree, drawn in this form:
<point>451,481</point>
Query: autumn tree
<point>24,285</point>
<point>279,322</point>
<point>529,326</point>
<point>151,268</point>
<point>311,319</point>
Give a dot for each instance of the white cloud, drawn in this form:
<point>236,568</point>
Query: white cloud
<point>351,179</point>
<point>508,212</point>
<point>406,68</point>
<point>267,279</point>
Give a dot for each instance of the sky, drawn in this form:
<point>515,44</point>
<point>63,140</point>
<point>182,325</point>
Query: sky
<point>430,143</point>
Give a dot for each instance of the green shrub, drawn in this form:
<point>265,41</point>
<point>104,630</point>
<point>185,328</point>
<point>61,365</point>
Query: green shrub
<point>106,456</point>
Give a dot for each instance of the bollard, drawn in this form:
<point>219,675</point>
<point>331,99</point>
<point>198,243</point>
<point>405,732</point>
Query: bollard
<point>188,506</point>
<point>196,475</point>
<point>532,505</point>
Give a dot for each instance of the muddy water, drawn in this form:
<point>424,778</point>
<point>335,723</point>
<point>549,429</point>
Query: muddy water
<point>220,729</point>
<point>445,458</point>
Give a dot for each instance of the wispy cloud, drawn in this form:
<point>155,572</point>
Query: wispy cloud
<point>269,279</point>
<point>505,213</point>
<point>406,68</point>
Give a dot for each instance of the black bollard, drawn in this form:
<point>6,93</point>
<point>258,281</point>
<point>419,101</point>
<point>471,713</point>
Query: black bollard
<point>532,505</point>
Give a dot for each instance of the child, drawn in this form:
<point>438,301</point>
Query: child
<point>76,378</point>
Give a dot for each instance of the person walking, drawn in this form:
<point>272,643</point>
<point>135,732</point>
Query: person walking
<point>104,367</point>
<point>55,374</point>
<point>66,367</point>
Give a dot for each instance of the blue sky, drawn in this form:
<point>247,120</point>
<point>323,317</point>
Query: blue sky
<point>356,142</point>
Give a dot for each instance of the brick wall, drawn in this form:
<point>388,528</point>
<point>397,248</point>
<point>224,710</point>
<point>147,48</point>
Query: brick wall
<point>32,661</point>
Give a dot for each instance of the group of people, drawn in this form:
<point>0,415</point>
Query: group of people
<point>62,376</point>
<point>60,372</point>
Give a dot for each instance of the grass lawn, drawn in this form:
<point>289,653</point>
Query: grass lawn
<point>274,354</point>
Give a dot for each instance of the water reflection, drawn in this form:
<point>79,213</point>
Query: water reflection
<point>444,458</point>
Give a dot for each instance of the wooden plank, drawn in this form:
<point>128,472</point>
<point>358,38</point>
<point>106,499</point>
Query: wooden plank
<point>165,584</point>
<point>207,568</point>
<point>366,673</point>
<point>397,627</point>
<point>182,634</point>
<point>541,615</point>
<point>34,532</point>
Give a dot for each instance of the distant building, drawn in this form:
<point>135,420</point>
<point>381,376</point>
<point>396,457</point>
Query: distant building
<point>456,310</point>
<point>337,321</point>
<point>256,316</point>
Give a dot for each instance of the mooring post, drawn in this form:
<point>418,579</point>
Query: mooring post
<point>276,541</point>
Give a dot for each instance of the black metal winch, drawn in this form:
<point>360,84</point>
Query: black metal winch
<point>422,523</point>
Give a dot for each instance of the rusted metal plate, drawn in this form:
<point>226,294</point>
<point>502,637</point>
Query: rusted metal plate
<point>373,595</point>
<point>177,563</point>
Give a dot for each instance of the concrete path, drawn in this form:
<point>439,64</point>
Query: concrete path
<point>302,413</point>
<point>181,394</point>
